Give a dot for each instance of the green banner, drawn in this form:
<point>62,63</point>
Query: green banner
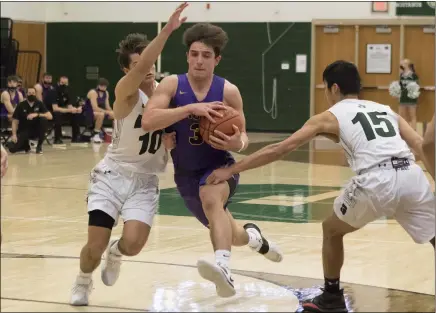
<point>416,8</point>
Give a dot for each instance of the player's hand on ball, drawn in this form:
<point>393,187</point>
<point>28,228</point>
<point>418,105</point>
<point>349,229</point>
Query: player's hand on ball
<point>175,21</point>
<point>208,110</point>
<point>169,140</point>
<point>218,176</point>
<point>221,141</point>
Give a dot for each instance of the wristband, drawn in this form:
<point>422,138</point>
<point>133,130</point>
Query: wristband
<point>243,145</point>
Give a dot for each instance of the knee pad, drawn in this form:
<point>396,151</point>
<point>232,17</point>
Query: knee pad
<point>100,219</point>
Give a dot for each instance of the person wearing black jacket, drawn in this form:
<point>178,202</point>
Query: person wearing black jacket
<point>63,110</point>
<point>29,122</point>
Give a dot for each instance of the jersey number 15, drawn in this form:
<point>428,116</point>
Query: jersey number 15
<point>376,126</point>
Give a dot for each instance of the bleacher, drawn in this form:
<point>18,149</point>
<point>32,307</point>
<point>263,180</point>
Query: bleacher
<point>25,63</point>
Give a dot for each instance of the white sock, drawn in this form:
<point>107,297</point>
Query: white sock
<point>223,257</point>
<point>114,248</point>
<point>254,238</point>
<point>85,275</point>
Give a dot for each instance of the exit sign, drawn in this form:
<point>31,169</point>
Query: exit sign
<point>380,6</point>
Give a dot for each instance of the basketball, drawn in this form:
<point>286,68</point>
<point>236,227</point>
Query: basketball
<point>223,124</point>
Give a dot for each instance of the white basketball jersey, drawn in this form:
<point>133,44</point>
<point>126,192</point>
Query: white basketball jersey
<point>369,133</point>
<point>134,150</point>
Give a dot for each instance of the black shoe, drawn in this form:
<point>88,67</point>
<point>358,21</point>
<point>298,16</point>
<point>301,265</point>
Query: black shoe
<point>38,150</point>
<point>58,142</point>
<point>326,302</point>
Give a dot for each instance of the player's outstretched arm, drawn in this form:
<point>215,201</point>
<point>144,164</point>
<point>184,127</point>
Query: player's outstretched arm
<point>129,84</point>
<point>428,148</point>
<point>324,123</point>
<point>4,160</point>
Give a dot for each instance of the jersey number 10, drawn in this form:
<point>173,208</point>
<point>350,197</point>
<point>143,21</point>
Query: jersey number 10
<point>150,145</point>
<point>376,126</point>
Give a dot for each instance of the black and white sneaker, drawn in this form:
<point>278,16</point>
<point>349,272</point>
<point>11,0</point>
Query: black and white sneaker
<point>218,274</point>
<point>326,302</point>
<point>267,248</point>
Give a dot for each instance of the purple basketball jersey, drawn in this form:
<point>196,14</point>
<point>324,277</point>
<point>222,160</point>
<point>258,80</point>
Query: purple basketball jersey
<point>191,153</point>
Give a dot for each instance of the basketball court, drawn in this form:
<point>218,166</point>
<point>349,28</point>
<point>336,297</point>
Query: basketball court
<point>44,225</point>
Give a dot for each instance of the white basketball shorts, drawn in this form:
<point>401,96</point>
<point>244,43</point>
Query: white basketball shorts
<point>405,195</point>
<point>134,198</point>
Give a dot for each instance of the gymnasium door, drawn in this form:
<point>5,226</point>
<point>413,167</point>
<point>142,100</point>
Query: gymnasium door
<point>332,43</point>
<point>420,49</point>
<point>374,86</point>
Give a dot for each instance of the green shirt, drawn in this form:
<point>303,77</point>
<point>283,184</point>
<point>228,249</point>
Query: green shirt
<point>404,81</point>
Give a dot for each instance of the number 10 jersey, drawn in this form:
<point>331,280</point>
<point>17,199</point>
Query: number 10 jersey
<point>369,133</point>
<point>134,151</point>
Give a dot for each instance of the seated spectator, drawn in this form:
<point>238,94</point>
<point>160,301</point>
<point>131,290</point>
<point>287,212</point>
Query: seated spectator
<point>45,91</point>
<point>98,100</point>
<point>63,110</point>
<point>29,122</point>
<point>10,97</point>
<point>20,87</point>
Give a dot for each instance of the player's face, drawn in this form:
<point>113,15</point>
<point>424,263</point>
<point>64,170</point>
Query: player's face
<point>151,75</point>
<point>202,60</point>
<point>332,94</point>
<point>102,87</point>
<point>47,80</point>
<point>13,84</point>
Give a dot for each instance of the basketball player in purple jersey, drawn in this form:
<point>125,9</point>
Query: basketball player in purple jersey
<point>44,89</point>
<point>178,102</point>
<point>10,97</point>
<point>97,105</point>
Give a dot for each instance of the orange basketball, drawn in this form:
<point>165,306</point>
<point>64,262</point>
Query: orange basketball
<point>223,124</point>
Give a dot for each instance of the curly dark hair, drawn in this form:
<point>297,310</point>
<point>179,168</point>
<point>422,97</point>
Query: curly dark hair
<point>209,34</point>
<point>133,43</point>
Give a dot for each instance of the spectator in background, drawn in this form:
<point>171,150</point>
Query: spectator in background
<point>63,110</point>
<point>20,87</point>
<point>409,92</point>
<point>98,101</point>
<point>29,122</point>
<point>45,91</point>
<point>10,97</point>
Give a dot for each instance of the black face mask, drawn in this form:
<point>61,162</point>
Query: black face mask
<point>12,88</point>
<point>402,67</point>
<point>46,84</point>
<point>31,98</point>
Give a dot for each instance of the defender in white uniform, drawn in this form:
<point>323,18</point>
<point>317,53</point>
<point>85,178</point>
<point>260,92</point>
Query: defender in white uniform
<point>387,183</point>
<point>125,182</point>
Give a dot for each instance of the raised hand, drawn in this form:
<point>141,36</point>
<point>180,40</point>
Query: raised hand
<point>175,21</point>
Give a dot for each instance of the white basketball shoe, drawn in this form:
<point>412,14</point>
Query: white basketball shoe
<point>81,290</point>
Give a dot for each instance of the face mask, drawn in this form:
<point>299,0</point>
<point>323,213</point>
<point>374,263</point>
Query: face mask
<point>402,67</point>
<point>12,88</point>
<point>46,83</point>
<point>31,98</point>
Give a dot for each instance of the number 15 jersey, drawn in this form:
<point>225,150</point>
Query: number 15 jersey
<point>369,133</point>
<point>132,149</point>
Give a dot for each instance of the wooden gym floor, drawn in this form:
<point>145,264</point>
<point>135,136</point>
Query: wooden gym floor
<point>44,224</point>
